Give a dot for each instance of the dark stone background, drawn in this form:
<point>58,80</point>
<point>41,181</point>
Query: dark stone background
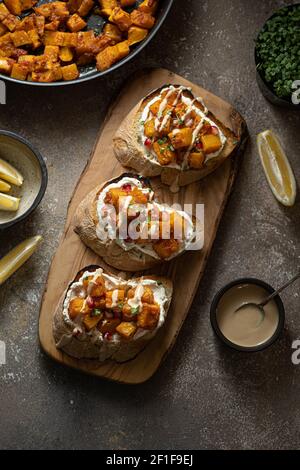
<point>203,396</point>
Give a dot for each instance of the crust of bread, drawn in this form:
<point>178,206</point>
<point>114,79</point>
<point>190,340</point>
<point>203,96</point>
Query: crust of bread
<point>85,225</point>
<point>85,348</point>
<point>131,153</point>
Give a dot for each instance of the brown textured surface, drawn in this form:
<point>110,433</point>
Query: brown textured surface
<point>203,396</point>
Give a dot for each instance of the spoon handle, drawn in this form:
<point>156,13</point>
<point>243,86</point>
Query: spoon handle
<point>291,281</point>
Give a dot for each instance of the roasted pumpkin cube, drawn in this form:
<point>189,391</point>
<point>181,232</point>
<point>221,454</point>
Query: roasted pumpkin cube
<point>4,12</point>
<point>106,4</point>
<point>19,72</point>
<point>75,23</point>
<point>113,32</point>
<point>47,76</point>
<point>34,38</point>
<point>6,64</point>
<point>112,54</point>
<point>148,317</point>
<point>5,40</point>
<point>164,152</point>
<point>149,128</point>
<point>20,38</point>
<point>70,72</point>
<point>126,329</point>
<point>136,34</point>
<point>109,325</point>
<point>113,196</point>
<point>52,52</point>
<point>11,22</point>
<point>85,42</point>
<point>53,11</point>
<point>113,297</point>
<point>14,6</point>
<point>66,54</point>
<point>181,137</point>
<point>148,6</point>
<point>127,313</point>
<point>75,307</point>
<point>85,7</point>
<point>91,322</point>
<point>166,248</point>
<point>142,19</point>
<point>26,24</point>
<point>127,3</point>
<point>3,29</point>
<point>53,38</point>
<point>121,18</point>
<point>40,24</point>
<point>196,160</point>
<point>70,39</point>
<point>28,61</point>
<point>211,143</point>
<point>154,108</point>
<point>97,288</point>
<point>52,26</point>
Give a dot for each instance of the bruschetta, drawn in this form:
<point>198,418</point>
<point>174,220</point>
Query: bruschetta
<point>102,316</point>
<point>171,133</point>
<point>124,223</point>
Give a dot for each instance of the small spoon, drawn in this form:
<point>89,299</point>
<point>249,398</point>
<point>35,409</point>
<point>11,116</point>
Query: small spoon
<point>270,297</point>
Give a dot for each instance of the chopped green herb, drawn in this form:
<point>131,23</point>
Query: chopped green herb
<point>96,312</point>
<point>170,147</point>
<point>162,141</point>
<point>134,311</point>
<point>142,122</point>
<point>278,51</point>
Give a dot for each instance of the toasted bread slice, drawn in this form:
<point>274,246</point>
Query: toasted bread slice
<point>131,151</point>
<point>71,337</point>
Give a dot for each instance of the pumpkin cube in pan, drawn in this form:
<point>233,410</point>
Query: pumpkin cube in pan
<point>6,64</point>
<point>27,4</point>
<point>26,24</point>
<point>53,38</point>
<point>52,26</point>
<point>106,4</point>
<point>51,52</point>
<point>113,32</point>
<point>14,6</point>
<point>75,23</point>
<point>70,72</point>
<point>66,54</point>
<point>20,38</point>
<point>110,55</point>
<point>11,22</point>
<point>136,34</point>
<point>126,329</point>
<point>40,24</point>
<point>70,39</point>
<point>4,12</point>
<point>141,19</point>
<point>19,72</point>
<point>148,6</point>
<point>28,61</point>
<point>121,18</point>
<point>35,38</point>
<point>85,7</point>
<point>211,143</point>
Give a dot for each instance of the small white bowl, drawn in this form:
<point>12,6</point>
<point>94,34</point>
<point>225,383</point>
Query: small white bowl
<point>29,162</point>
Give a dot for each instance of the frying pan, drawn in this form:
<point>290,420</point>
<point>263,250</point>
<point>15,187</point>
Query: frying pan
<point>96,23</point>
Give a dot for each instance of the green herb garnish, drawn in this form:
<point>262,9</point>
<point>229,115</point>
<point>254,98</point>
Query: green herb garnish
<point>278,51</point>
<point>96,312</point>
<point>162,141</point>
<point>134,311</point>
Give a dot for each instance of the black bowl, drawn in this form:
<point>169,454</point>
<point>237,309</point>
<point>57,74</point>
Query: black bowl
<point>214,322</point>
<point>89,72</point>
<point>265,88</point>
<point>25,158</point>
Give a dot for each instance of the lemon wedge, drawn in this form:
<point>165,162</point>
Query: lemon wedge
<point>10,174</point>
<point>17,257</point>
<point>5,187</point>
<point>277,168</point>
<point>9,203</point>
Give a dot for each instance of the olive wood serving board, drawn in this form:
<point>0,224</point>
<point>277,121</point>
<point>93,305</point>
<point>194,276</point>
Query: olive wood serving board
<point>186,271</point>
